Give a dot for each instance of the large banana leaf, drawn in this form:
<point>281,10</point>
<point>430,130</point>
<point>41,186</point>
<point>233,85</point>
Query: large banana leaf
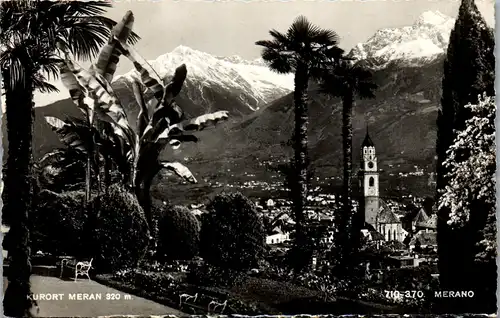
<point>172,111</point>
<point>174,87</point>
<point>198,123</point>
<point>79,92</point>
<point>71,134</point>
<point>76,91</point>
<point>108,105</point>
<point>143,117</point>
<point>180,170</point>
<point>110,53</point>
<point>149,77</point>
<point>100,91</point>
<point>109,102</point>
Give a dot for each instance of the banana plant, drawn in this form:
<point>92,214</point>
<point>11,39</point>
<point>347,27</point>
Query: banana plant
<point>158,128</point>
<point>161,121</point>
<point>76,134</point>
<point>83,89</point>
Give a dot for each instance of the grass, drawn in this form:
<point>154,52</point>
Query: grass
<point>290,299</point>
<point>252,296</point>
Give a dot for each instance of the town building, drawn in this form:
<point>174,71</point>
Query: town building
<point>376,214</point>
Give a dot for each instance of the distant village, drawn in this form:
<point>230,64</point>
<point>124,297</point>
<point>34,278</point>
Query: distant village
<point>404,234</point>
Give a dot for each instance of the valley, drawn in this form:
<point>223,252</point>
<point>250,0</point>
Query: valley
<point>401,119</point>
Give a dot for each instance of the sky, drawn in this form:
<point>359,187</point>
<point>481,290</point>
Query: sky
<point>225,28</point>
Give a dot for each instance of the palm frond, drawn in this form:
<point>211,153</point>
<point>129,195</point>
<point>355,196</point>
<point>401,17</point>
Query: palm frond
<point>324,37</point>
<point>43,86</point>
<point>276,54</point>
<point>279,38</point>
<point>348,77</point>
<point>280,64</point>
<point>271,44</point>
<point>302,31</point>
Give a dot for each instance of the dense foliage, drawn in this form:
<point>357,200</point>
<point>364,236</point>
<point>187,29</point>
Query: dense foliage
<point>121,233</point>
<point>473,178</point>
<point>216,276</point>
<point>179,234</point>
<point>471,196</point>
<point>61,170</point>
<point>58,223</point>
<point>468,73</point>
<point>232,234</point>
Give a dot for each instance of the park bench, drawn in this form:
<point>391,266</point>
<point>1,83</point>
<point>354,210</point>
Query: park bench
<point>214,304</point>
<point>190,301</point>
<point>81,268</point>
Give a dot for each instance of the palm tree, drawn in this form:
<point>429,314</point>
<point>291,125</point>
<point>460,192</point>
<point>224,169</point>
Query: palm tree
<point>347,80</point>
<point>31,32</point>
<point>304,49</point>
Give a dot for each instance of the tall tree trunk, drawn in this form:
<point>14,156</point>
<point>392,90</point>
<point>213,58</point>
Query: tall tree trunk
<point>88,173</point>
<point>97,160</point>
<point>143,194</point>
<point>301,155</point>
<point>346,225</point>
<point>88,178</point>
<point>18,181</point>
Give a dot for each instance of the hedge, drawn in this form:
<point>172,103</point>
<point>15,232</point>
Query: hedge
<point>179,234</point>
<point>120,234</point>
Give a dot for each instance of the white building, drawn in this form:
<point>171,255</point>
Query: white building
<point>277,236</point>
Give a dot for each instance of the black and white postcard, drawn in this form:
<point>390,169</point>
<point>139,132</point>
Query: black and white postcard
<point>248,158</point>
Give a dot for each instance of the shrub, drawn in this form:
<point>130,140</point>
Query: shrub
<point>209,275</point>
<point>179,234</point>
<point>232,235</point>
<point>57,223</point>
<point>153,282</point>
<point>121,232</point>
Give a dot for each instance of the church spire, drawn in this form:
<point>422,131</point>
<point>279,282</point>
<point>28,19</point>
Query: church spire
<point>368,141</point>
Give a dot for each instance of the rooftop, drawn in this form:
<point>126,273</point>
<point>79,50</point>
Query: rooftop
<point>424,238</point>
<point>368,141</point>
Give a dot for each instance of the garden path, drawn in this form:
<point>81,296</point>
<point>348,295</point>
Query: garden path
<point>65,307</point>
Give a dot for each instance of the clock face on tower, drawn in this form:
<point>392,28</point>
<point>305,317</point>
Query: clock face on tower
<point>370,165</point>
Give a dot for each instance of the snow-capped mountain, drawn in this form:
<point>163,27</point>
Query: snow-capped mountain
<point>251,82</point>
<point>421,42</point>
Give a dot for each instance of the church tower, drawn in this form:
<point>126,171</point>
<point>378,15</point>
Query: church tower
<point>369,181</point>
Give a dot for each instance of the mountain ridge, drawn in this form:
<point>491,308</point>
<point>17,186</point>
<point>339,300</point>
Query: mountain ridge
<point>405,106</point>
<point>252,82</point>
<point>423,41</point>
